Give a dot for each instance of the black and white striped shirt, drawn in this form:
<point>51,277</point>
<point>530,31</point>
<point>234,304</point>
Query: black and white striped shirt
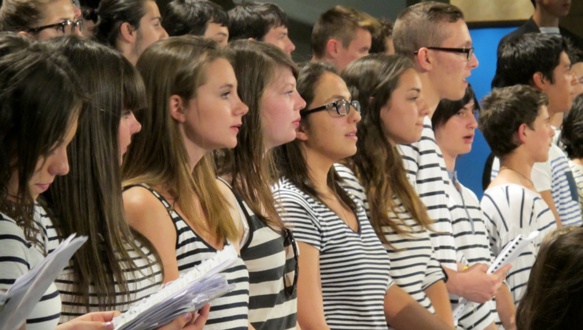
<point>354,266</point>
<point>426,170</point>
<point>471,238</point>
<point>17,257</point>
<point>229,311</point>
<point>510,210</point>
<point>267,260</point>
<point>413,264</point>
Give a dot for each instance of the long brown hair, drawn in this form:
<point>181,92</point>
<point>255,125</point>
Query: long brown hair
<point>378,165</point>
<point>250,167</point>
<point>290,157</point>
<point>158,157</point>
<point>40,99</point>
<point>88,200</point>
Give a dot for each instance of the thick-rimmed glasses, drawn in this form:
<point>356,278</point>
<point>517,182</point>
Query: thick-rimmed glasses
<point>65,27</point>
<point>290,271</point>
<point>338,108</point>
<point>468,51</point>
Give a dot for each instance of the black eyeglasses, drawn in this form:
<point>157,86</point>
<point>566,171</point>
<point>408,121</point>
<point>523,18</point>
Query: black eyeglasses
<point>468,51</point>
<point>290,271</point>
<point>65,27</point>
<point>341,108</point>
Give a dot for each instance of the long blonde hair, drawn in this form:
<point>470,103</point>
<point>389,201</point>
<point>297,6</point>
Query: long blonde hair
<point>158,157</point>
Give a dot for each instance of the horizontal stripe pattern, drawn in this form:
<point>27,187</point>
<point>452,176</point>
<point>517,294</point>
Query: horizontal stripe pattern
<point>354,266</point>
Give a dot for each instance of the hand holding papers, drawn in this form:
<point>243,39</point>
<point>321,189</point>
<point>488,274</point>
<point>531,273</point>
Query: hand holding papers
<point>27,290</point>
<point>188,293</point>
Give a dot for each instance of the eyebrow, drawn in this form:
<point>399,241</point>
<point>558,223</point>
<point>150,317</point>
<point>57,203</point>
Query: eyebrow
<point>414,89</point>
<point>336,97</point>
<point>226,86</point>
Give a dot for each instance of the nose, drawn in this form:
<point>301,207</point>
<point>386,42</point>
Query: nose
<point>59,164</point>
<point>164,34</point>
<point>300,102</point>
<point>473,124</point>
<point>473,62</point>
<point>290,45</point>
<point>423,107</point>
<point>135,126</point>
<point>354,116</point>
<point>240,107</point>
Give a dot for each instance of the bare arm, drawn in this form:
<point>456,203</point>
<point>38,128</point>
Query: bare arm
<point>149,217</point>
<point>548,198</point>
<point>310,301</point>
<point>403,312</point>
<point>505,307</point>
<point>437,293</point>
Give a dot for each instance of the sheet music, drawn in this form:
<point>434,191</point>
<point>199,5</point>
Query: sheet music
<point>27,290</point>
<point>508,254</point>
<point>188,293</point>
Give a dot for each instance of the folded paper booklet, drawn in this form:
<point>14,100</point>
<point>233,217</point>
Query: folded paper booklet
<point>19,301</point>
<point>508,254</point>
<point>188,293</point>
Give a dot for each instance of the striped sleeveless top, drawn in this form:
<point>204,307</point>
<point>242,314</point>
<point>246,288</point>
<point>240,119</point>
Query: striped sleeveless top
<point>141,282</point>
<point>229,311</point>
<point>272,297</point>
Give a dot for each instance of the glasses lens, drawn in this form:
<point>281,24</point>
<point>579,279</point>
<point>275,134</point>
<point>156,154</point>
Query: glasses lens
<point>356,105</point>
<point>470,53</point>
<point>78,25</point>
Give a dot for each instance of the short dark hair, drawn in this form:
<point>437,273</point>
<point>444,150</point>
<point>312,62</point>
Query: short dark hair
<point>419,26</point>
<point>447,108</point>
<point>339,23</point>
<point>112,13</point>
<point>192,17</point>
<point>521,57</point>
<point>379,37</point>
<point>254,20</point>
<point>504,110</point>
<point>572,131</point>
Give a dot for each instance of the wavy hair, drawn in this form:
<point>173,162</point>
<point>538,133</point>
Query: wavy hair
<point>379,165</point>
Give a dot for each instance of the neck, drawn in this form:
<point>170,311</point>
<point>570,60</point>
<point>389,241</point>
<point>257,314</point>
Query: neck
<point>318,168</point>
<point>429,94</point>
<point>195,154</point>
<point>544,19</point>
<point>449,160</point>
<point>520,167</point>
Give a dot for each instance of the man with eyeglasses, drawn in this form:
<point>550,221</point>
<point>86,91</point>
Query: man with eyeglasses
<point>129,26</point>
<point>40,20</point>
<point>436,38</point>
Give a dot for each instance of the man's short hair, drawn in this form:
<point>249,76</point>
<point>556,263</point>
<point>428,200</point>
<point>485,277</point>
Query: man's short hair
<point>419,26</point>
<point>112,13</point>
<point>254,20</point>
<point>339,23</point>
<point>192,17</point>
<point>521,57</point>
<point>572,131</point>
<point>379,37</point>
<point>502,113</point>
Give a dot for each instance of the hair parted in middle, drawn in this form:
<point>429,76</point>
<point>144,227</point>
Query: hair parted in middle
<point>249,165</point>
<point>158,157</point>
<point>377,164</point>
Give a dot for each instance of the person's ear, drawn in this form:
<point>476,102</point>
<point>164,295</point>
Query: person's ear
<point>25,35</point>
<point>539,81</point>
<point>302,133</point>
<point>127,32</point>
<point>176,106</point>
<point>332,47</point>
<point>521,134</point>
<point>424,59</point>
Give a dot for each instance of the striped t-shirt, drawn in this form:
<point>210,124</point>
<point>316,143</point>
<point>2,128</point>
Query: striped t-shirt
<point>578,175</point>
<point>471,239</point>
<point>268,261</point>
<point>426,170</point>
<point>141,282</point>
<point>413,264</point>
<point>509,210</point>
<point>17,257</point>
<point>229,311</point>
<point>555,175</point>
<point>354,267</point>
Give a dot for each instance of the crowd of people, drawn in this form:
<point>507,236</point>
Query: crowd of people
<point>165,138</point>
